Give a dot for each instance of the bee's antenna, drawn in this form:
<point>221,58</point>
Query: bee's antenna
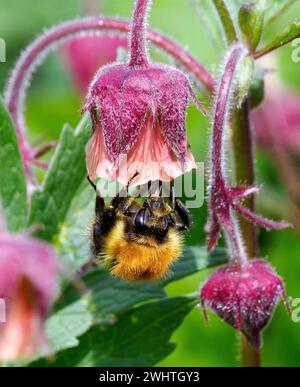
<point>131,179</point>
<point>92,183</point>
<point>160,188</point>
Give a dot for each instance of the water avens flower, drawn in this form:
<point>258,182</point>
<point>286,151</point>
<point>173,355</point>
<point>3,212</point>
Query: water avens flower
<point>244,297</point>
<point>28,285</point>
<point>138,112</point>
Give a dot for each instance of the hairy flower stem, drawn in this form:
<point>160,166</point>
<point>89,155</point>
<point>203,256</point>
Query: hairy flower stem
<point>220,205</point>
<point>33,55</point>
<point>250,356</point>
<point>138,49</point>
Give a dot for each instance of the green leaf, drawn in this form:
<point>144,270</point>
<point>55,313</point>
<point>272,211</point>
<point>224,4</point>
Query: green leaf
<point>276,8</point>
<point>251,21</point>
<point>66,325</point>
<point>112,295</point>
<point>67,171</point>
<point>72,243</point>
<point>139,338</point>
<point>107,295</point>
<point>286,36</point>
<point>245,77</point>
<point>12,178</point>
<point>226,20</point>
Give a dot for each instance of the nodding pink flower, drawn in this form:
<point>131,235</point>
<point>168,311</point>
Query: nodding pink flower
<point>138,112</point>
<point>28,280</point>
<point>84,55</point>
<point>277,120</point>
<point>244,297</point>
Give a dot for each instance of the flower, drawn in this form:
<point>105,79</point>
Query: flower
<point>84,56</point>
<point>138,115</point>
<point>244,297</point>
<point>28,274</point>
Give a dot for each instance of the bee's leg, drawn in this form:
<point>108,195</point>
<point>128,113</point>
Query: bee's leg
<point>92,183</point>
<point>183,218</point>
<point>183,213</point>
<point>155,188</point>
<point>99,205</point>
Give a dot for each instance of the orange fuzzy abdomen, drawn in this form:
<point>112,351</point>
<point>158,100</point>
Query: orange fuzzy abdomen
<point>142,258</point>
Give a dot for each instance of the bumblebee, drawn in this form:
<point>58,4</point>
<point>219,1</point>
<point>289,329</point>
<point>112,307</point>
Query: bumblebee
<point>138,240</point>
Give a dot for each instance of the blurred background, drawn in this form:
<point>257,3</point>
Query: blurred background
<point>56,97</point>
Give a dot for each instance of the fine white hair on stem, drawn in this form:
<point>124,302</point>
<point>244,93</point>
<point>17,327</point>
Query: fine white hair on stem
<point>138,47</point>
<point>218,145</point>
<point>229,105</point>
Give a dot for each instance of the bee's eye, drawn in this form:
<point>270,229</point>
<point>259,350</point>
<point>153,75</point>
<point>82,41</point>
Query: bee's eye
<point>140,220</point>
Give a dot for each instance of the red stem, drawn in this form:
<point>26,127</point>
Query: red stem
<point>220,205</point>
<point>221,114</point>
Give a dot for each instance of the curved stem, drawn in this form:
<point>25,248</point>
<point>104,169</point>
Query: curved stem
<point>220,204</point>
<point>33,55</point>
<point>138,49</point>
<point>221,113</point>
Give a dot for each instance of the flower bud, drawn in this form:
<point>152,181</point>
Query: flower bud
<point>244,297</point>
<point>28,280</point>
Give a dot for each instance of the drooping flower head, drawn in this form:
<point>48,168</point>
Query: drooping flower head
<point>244,297</point>
<point>138,111</point>
<point>28,275</point>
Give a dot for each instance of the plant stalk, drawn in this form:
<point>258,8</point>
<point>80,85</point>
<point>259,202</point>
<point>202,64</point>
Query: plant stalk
<point>244,174</point>
<point>138,49</point>
<point>250,356</point>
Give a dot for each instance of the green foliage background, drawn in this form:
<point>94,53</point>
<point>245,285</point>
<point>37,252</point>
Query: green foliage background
<point>53,101</point>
